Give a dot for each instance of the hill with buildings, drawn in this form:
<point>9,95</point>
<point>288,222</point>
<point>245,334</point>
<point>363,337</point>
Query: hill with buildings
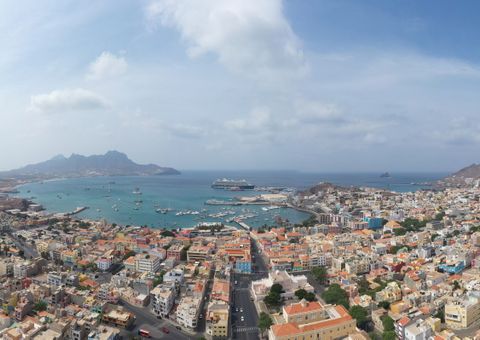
<point>469,175</point>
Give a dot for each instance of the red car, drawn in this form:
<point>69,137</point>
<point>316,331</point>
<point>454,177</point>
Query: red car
<point>165,330</point>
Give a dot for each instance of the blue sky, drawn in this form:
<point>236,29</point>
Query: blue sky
<point>231,84</point>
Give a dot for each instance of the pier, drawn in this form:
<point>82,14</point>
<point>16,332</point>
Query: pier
<point>243,225</point>
<point>76,211</point>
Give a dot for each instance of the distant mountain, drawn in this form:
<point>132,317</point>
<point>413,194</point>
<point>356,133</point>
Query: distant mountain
<point>113,163</point>
<point>463,177</point>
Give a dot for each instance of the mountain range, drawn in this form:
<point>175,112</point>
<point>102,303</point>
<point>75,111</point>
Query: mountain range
<point>112,163</point>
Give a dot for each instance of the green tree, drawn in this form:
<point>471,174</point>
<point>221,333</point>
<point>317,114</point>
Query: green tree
<point>384,304</point>
<point>388,324</point>
<point>40,306</point>
<point>167,233</point>
<point>310,297</point>
<point>273,299</point>
<point>277,288</point>
<point>390,335</point>
<point>440,315</point>
<point>183,253</point>
<point>361,315</point>
<point>264,322</point>
<point>300,294</point>
<point>128,254</point>
<point>320,274</point>
<point>456,285</point>
<point>335,294</point>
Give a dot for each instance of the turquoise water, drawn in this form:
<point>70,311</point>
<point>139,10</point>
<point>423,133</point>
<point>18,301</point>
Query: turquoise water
<point>112,198</point>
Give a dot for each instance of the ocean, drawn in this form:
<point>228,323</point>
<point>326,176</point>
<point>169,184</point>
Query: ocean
<point>113,198</point>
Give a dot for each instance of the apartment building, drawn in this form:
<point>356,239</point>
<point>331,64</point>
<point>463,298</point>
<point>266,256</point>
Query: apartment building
<point>217,319</point>
<point>464,311</point>
<point>163,297</point>
<point>187,311</point>
<point>147,263</point>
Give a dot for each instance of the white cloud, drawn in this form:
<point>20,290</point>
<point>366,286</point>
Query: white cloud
<point>107,65</point>
<point>67,100</point>
<point>259,120</point>
<point>248,36</point>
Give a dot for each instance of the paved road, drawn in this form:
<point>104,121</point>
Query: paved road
<point>148,321</point>
<point>242,305</point>
<point>244,314</point>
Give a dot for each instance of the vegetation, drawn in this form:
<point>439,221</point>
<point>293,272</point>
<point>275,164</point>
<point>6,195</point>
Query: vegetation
<point>167,233</point>
<point>390,335</point>
<point>412,224</point>
<point>388,325</point>
<point>384,305</point>
<point>364,286</point>
<point>303,294</point>
<point>395,249</point>
<point>128,254</point>
<point>360,314</point>
<point>320,274</point>
<point>183,253</point>
<point>440,315</point>
<point>40,306</point>
<point>274,297</point>
<point>264,322</point>
<point>158,279</point>
<point>335,294</point>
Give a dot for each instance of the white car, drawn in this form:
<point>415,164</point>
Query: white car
<point>241,310</point>
<point>242,319</point>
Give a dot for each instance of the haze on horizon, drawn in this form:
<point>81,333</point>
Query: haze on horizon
<point>309,85</point>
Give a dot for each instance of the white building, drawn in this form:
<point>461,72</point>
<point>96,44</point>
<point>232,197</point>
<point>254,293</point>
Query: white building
<point>147,263</point>
<point>290,284</point>
<point>104,263</point>
<point>175,275</point>
<point>187,311</point>
<point>56,279</point>
<point>163,297</point>
<point>420,330</point>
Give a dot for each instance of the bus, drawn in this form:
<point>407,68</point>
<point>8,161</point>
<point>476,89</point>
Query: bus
<point>144,333</point>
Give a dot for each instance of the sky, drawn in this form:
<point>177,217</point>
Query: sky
<point>311,85</point>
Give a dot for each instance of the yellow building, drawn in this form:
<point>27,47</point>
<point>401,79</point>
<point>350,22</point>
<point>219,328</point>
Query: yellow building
<point>311,320</point>
<point>463,312</point>
<point>217,319</point>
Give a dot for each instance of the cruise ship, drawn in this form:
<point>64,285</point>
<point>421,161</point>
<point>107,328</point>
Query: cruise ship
<point>231,184</point>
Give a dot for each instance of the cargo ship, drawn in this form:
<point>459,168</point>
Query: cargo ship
<point>230,184</point>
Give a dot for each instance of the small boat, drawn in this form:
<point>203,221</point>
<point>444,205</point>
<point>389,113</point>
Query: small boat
<point>385,175</point>
<point>137,191</point>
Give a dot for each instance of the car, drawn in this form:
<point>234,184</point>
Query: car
<point>165,330</point>
<point>242,319</point>
<point>200,316</point>
<point>236,281</point>
<point>236,309</point>
<point>241,310</point>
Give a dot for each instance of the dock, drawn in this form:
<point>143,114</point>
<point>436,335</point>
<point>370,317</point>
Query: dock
<point>76,211</point>
<point>243,225</point>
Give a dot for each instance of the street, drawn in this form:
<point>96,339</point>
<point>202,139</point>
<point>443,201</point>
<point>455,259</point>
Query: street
<point>242,305</point>
<point>146,320</point>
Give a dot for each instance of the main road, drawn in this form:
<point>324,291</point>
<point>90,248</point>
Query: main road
<point>244,314</point>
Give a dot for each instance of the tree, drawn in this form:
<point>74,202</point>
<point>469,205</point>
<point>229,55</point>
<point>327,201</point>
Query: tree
<point>320,274</point>
<point>387,322</point>
<point>310,297</point>
<point>390,335</point>
<point>273,299</point>
<point>440,315</point>
<point>335,294</point>
<point>183,253</point>
<point>361,315</point>
<point>129,254</point>
<point>167,233</point>
<point>300,294</point>
<point>277,288</point>
<point>40,306</point>
<point>456,285</point>
<point>264,322</point>
<point>384,304</point>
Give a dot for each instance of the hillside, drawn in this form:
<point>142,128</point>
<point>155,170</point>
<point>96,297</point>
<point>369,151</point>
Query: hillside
<point>463,177</point>
<point>113,163</point>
